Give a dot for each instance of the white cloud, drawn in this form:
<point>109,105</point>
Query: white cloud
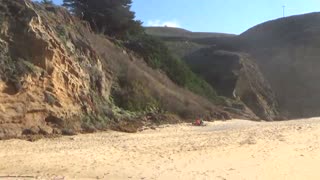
<point>172,23</point>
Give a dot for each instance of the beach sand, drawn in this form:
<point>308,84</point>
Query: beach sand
<point>234,149</point>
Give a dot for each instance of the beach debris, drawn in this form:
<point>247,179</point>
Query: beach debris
<point>198,122</point>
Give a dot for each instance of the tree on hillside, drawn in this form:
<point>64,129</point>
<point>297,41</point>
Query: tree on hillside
<point>111,17</point>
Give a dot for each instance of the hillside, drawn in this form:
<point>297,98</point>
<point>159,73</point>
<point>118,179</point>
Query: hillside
<point>236,75</point>
<point>232,73</point>
<point>285,50</point>
<point>183,42</point>
<point>58,77</point>
<point>182,33</point>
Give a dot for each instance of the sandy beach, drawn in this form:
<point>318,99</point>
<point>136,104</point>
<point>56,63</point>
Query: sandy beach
<point>234,149</point>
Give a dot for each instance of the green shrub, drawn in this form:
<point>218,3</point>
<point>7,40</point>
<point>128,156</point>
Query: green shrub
<point>133,96</point>
<point>61,31</point>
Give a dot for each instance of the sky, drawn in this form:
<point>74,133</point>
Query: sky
<point>224,16</point>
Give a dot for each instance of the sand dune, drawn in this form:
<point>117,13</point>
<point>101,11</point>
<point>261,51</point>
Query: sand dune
<point>222,150</point>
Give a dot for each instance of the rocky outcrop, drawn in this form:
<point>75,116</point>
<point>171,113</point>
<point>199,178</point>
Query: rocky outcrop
<point>46,80</point>
<point>235,75</point>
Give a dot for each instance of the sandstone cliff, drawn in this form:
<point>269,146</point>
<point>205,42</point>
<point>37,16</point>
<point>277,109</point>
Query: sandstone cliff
<point>46,77</point>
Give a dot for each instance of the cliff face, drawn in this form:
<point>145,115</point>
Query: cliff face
<point>46,79</point>
<point>235,75</point>
<point>57,77</point>
<point>287,51</point>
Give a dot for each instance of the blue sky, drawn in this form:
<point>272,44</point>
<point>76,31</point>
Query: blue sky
<point>227,16</point>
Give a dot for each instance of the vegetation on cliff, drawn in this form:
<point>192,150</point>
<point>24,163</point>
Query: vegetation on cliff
<point>114,18</point>
<point>158,56</point>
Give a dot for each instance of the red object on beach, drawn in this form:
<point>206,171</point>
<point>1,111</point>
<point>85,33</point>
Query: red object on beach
<point>198,122</point>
